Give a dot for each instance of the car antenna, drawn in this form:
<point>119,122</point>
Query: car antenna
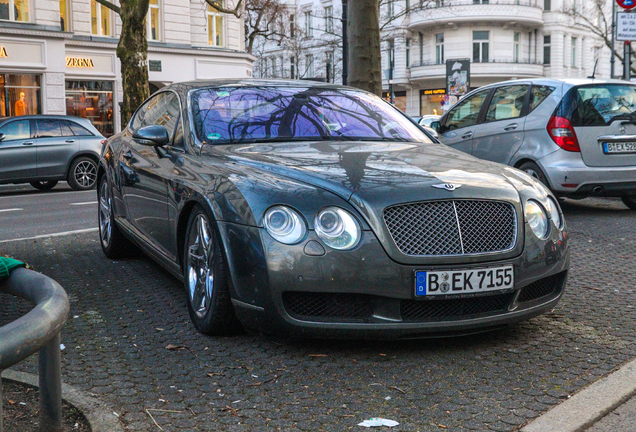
<point>594,71</point>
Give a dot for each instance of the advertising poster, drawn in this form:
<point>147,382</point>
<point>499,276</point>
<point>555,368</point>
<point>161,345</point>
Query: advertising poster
<point>457,77</point>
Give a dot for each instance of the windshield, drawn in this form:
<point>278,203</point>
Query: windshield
<point>599,105</point>
<point>267,114</point>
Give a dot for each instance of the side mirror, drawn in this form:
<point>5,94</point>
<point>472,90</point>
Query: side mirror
<point>431,132</point>
<point>435,125</point>
<point>1,136</point>
<point>154,136</point>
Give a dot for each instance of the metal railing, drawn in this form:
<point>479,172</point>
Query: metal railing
<point>39,330</point>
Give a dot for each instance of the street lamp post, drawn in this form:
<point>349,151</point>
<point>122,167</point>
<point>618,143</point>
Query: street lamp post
<point>345,50</point>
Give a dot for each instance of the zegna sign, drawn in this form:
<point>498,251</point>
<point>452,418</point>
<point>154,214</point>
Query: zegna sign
<point>77,62</point>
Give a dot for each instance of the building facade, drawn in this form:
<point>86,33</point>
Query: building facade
<point>503,39</point>
<point>59,56</point>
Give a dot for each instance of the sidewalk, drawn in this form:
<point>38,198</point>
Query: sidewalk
<point>609,404</point>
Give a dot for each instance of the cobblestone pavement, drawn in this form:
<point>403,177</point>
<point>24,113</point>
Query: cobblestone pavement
<point>125,313</point>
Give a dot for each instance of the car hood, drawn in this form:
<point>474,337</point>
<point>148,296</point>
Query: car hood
<point>377,174</point>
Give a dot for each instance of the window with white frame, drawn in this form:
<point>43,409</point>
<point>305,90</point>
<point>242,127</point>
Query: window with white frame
<point>101,20</point>
<point>65,15</point>
<point>573,56</point>
<point>273,63</point>
<point>216,26</point>
<point>329,19</point>
<point>408,52</point>
<point>153,21</point>
<point>292,67</point>
<point>292,26</point>
<point>481,45</point>
<point>547,52</point>
<point>390,8</point>
<point>439,48</point>
<point>309,66</point>
<point>515,47</point>
<point>309,28</point>
<point>329,66</point>
<point>14,10</point>
<point>547,5</point>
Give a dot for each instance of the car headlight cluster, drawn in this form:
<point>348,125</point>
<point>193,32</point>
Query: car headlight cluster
<point>537,216</point>
<point>336,227</point>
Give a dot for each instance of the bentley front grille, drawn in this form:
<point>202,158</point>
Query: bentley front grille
<point>459,227</point>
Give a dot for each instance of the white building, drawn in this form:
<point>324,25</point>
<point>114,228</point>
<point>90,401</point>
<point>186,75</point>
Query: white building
<point>504,39</point>
<point>59,56</point>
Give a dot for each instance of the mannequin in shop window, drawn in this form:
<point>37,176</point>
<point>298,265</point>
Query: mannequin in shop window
<point>21,106</point>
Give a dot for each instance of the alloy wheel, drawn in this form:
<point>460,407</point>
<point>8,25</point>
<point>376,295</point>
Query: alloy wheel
<point>105,229</point>
<point>200,274</point>
<point>85,174</point>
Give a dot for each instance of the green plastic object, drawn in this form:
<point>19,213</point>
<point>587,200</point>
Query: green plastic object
<point>8,264</point>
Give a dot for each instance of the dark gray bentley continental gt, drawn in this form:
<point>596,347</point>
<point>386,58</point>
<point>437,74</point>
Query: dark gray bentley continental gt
<point>311,209</point>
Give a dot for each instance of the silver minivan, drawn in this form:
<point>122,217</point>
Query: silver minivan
<point>578,136</point>
<point>43,149</point>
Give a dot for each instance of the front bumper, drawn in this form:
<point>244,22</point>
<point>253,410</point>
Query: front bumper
<point>570,177</point>
<point>364,294</point>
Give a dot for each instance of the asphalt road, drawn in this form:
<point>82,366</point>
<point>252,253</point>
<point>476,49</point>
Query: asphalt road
<point>129,341</point>
<point>26,212</point>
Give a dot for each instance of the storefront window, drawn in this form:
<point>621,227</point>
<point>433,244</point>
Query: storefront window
<point>92,100</point>
<point>14,10</point>
<point>19,95</point>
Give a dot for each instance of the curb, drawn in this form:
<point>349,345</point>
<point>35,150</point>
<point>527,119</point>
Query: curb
<point>590,404</point>
<point>98,414</point>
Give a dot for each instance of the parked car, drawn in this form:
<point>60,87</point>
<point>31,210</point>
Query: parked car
<point>313,209</point>
<point>43,149</point>
<point>428,119</point>
<point>577,136</point>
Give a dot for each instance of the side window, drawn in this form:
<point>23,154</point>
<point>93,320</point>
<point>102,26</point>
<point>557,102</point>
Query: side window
<point>466,113</point>
<point>16,130</point>
<point>79,130</point>
<point>507,103</point>
<point>66,129</point>
<point>162,110</point>
<point>48,128</point>
<point>538,94</point>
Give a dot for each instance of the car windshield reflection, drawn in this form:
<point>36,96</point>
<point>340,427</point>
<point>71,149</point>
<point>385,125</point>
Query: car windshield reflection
<point>272,114</point>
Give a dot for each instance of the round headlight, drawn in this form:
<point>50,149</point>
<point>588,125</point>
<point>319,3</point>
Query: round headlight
<point>537,219</point>
<point>337,228</point>
<point>284,224</point>
<point>555,214</point>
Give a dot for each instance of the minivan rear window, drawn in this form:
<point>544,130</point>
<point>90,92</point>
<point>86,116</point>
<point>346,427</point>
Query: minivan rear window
<point>598,104</point>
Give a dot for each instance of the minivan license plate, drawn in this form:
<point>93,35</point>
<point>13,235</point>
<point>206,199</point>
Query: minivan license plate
<point>619,147</point>
<point>474,281</point>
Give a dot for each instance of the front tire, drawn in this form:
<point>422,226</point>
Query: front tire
<point>83,174</point>
<point>206,278</point>
<point>629,201</point>
<point>44,185</point>
<point>113,242</point>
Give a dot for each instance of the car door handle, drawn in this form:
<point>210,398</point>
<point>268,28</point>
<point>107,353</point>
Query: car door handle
<point>127,155</point>
<point>512,126</point>
<point>70,140</point>
<point>27,143</point>
<point>467,135</point>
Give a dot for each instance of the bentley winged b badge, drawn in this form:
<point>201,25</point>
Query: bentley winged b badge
<point>447,186</point>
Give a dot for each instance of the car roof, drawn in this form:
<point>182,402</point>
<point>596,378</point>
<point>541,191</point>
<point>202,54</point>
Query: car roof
<point>82,121</point>
<point>253,82</point>
<point>570,82</point>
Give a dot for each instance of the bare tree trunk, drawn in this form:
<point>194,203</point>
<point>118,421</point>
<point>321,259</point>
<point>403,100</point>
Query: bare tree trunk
<point>364,58</point>
<point>132,52</point>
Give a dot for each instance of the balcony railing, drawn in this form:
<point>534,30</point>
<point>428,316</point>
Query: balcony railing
<point>498,60</point>
<point>449,3</point>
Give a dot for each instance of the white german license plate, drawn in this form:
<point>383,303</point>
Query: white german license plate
<point>474,281</point>
<point>619,147</point>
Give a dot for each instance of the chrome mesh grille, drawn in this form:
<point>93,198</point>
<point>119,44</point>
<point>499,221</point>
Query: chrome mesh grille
<point>457,227</point>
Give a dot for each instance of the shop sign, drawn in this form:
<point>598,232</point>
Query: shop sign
<point>154,65</point>
<point>79,62</point>
<point>430,92</point>
<point>3,52</point>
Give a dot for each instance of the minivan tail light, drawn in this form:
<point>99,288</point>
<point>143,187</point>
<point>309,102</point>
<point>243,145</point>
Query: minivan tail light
<point>562,133</point>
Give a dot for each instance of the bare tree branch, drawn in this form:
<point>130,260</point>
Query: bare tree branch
<point>110,6</point>
<point>237,11</point>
